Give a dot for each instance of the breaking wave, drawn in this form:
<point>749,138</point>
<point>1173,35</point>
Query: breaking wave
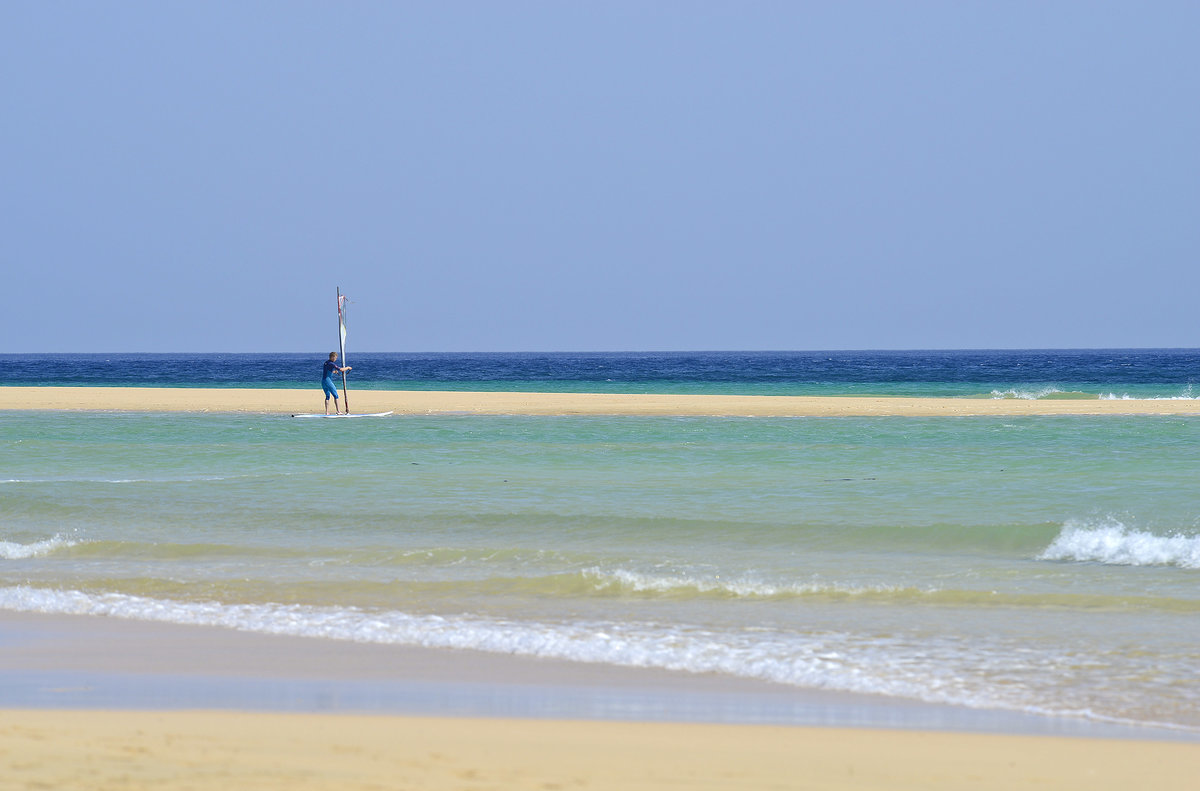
<point>1112,543</point>
<point>1028,395</point>
<point>10,550</point>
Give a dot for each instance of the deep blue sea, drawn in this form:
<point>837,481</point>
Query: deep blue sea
<point>1093,373</point>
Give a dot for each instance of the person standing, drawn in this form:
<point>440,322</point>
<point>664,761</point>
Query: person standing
<point>331,367</point>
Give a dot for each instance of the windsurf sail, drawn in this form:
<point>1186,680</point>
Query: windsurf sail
<point>342,301</point>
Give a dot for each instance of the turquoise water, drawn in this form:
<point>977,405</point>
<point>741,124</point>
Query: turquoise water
<point>1042,564</point>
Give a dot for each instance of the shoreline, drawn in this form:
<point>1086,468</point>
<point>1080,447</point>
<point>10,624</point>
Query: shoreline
<point>95,727</point>
<point>431,402</point>
<point>69,661</point>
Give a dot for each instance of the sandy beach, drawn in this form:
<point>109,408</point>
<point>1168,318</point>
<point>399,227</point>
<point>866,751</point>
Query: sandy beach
<point>87,722</point>
<point>280,401</point>
<point>216,750</point>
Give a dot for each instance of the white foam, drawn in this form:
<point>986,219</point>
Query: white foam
<point>1028,395</point>
<point>945,669</point>
<point>730,586</point>
<point>823,660</point>
<point>1127,397</point>
<point>10,550</point>
<point>1113,543</point>
<point>827,660</point>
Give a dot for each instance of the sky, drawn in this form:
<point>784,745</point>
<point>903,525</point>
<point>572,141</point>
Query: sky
<point>608,176</point>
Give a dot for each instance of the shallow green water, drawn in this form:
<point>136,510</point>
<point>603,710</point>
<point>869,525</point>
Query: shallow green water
<point>1030,563</point>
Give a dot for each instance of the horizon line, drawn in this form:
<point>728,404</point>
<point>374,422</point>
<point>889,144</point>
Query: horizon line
<point>650,351</point>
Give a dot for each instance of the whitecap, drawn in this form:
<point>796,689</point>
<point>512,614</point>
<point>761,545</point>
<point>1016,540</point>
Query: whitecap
<point>10,550</point>
<point>1027,395</point>
<point>1112,543</point>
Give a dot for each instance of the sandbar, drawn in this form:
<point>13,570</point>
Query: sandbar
<point>422,402</point>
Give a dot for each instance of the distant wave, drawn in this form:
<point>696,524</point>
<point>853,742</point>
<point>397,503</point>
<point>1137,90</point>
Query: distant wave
<point>1051,392</point>
<point>1112,543</point>
<point>1186,396</point>
<point>1028,395</point>
<point>10,550</point>
<point>623,582</point>
<point>191,479</point>
<point>666,584</point>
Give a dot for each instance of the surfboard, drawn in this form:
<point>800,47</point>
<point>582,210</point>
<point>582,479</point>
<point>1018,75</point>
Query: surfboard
<point>356,414</point>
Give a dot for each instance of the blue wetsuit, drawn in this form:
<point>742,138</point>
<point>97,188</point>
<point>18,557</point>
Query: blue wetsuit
<point>327,373</point>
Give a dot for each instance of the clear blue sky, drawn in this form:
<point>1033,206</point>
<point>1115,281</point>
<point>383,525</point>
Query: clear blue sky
<point>200,176</point>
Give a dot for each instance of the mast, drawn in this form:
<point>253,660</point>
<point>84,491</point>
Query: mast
<point>342,345</point>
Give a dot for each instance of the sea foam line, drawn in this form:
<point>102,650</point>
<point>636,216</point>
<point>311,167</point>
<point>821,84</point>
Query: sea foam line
<point>1112,543</point>
<point>1186,395</point>
<point>1127,397</point>
<point>637,582</point>
<point>940,670</point>
<point>625,582</point>
<point>826,660</point>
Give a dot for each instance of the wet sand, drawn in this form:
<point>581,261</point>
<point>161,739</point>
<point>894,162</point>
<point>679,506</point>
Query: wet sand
<point>101,703</point>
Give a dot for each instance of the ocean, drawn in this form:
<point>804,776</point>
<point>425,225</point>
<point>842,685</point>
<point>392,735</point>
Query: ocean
<point>1032,564</point>
<point>1102,373</point>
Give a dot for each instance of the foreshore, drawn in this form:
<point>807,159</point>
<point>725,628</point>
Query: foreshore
<point>421,402</point>
<point>92,702</point>
<point>201,750</point>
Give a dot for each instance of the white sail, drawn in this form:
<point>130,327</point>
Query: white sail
<point>342,300</point>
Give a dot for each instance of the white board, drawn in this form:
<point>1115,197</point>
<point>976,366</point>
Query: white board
<point>356,414</point>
